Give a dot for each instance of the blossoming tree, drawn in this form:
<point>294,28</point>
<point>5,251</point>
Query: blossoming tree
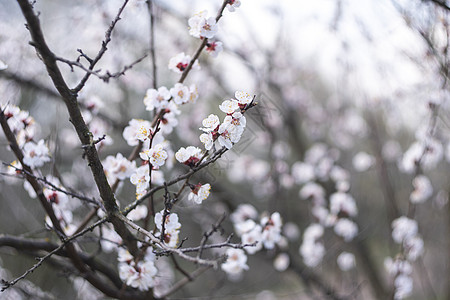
<point>154,169</point>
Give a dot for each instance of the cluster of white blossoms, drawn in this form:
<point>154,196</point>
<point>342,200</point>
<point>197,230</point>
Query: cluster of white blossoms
<point>141,131</point>
<point>401,270</point>
<point>230,130</point>
<point>171,227</point>
<point>404,232</point>
<point>336,212</point>
<point>179,93</point>
<point>138,130</point>
<point>141,179</point>
<point>427,150</point>
<point>141,275</point>
<point>20,122</point>
<point>203,27</point>
<point>61,205</point>
<point>189,156</point>
<point>312,249</point>
<point>263,233</point>
<point>24,128</point>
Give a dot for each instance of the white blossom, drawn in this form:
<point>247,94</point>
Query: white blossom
<point>394,267</point>
<point>236,119</point>
<point>199,193</point>
<point>195,23</point>
<point>139,213</point>
<point>253,236</point>
<point>313,190</point>
<point>168,121</point>
<point>236,261</point>
<point>141,178</point>
<point>189,155</point>
<point>233,4</point>
<point>214,48</point>
<point>229,134</point>
<point>171,238</point>
<point>180,93</point>
<point>180,62</point>
<point>343,202</point>
<point>156,98</point>
<point>123,255</point>
<point>346,229</point>
<point>271,230</point>
<point>35,155</point>
<point>110,239</point>
<point>207,140</point>
<point>303,172</point>
<point>244,212</point>
<point>208,27</point>
<point>291,231</point>
<point>430,153</point>
<point>413,247</point>
<point>403,228</point>
<point>281,262</point>
<point>315,153</point>
<point>229,106</point>
<point>403,286</point>
<point>339,174</point>
<point>137,130</point>
<point>346,261</point>
<point>118,167</point>
<point>193,93</point>
<point>156,155</point>
<point>210,123</point>
<point>171,221</point>
<point>422,189</point>
<point>391,151</point>
<point>363,161</point>
<point>313,232</point>
<point>243,98</point>
<point>312,253</point>
<point>244,227</point>
<point>142,276</point>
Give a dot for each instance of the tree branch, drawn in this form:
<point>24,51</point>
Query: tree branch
<point>85,136</point>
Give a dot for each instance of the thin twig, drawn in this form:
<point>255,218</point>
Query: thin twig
<point>8,284</point>
<point>150,8</point>
<point>164,247</point>
<point>208,234</point>
<point>105,77</point>
<point>52,186</point>
<point>102,50</point>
